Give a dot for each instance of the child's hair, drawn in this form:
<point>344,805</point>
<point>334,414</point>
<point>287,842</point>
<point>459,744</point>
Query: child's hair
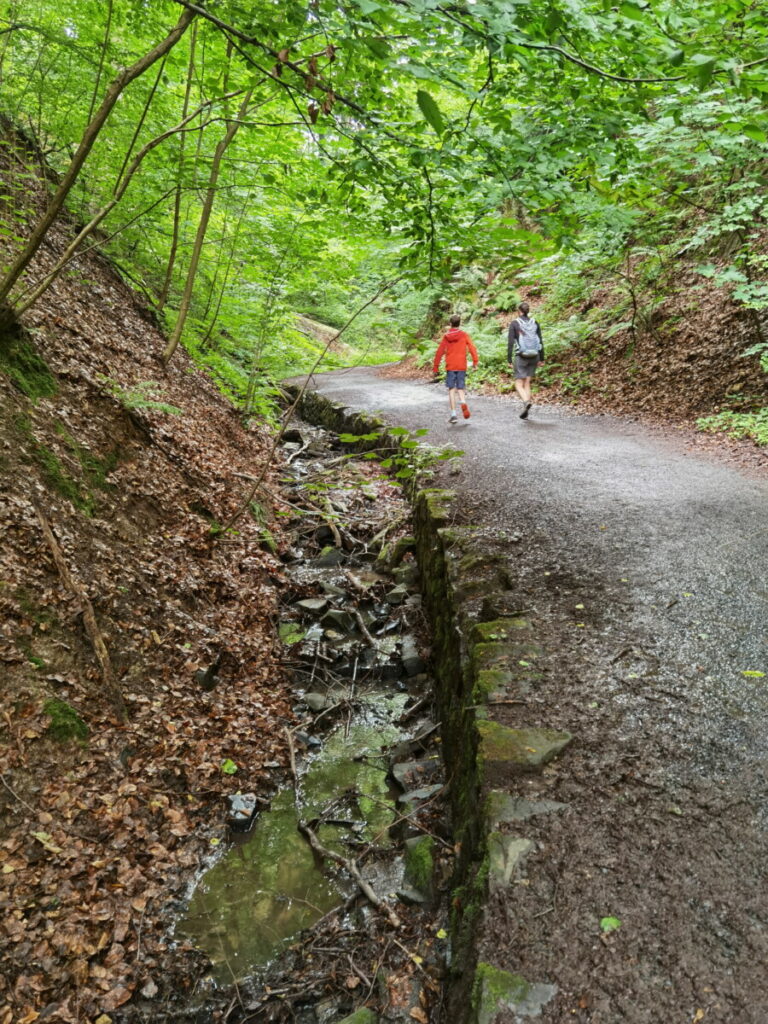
<point>455,320</point>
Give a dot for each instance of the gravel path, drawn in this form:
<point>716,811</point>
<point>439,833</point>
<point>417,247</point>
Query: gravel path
<point>644,568</point>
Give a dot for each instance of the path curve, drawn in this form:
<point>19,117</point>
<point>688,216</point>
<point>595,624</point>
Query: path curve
<point>644,569</point>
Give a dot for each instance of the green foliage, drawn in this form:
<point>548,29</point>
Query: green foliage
<point>410,459</point>
<point>752,425</point>
<point>146,394</point>
<point>66,724</point>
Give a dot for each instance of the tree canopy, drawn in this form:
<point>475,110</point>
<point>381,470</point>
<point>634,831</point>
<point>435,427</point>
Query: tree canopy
<point>283,157</point>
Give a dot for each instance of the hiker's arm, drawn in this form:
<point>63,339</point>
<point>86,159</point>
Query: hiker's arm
<point>473,353</point>
<point>511,339</point>
<point>438,356</point>
<point>541,342</point>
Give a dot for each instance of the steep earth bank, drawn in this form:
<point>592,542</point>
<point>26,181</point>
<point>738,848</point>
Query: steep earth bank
<point>124,604</point>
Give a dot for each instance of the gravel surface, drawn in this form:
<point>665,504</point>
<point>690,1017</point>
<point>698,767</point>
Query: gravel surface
<point>643,566</point>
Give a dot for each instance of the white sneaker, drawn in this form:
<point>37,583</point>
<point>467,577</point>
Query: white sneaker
<point>453,418</point>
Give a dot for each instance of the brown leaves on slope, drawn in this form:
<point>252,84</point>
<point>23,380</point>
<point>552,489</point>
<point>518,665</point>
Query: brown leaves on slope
<point>98,837</point>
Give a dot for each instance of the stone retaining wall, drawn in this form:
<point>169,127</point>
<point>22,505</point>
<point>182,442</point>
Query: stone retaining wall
<point>484,650</point>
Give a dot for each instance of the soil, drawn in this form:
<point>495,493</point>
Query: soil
<point>640,560</point>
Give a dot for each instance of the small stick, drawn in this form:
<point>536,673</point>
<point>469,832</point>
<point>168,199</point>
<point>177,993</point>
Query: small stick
<point>353,870</point>
<point>86,608</point>
<point>363,628</point>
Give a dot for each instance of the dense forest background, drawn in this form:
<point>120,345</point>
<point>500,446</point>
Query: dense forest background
<point>259,171</point>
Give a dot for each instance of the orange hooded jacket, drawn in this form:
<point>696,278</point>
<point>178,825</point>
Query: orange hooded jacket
<point>454,346</point>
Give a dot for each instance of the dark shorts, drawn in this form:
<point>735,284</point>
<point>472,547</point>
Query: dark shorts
<point>525,367</point>
<point>455,379</point>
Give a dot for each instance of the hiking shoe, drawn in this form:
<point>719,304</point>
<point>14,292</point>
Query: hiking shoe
<point>465,410</point>
<point>453,418</point>
<point>526,410</point>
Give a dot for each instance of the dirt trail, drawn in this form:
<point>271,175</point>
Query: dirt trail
<point>643,567</point>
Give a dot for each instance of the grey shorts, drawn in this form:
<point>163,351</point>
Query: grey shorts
<point>525,367</point>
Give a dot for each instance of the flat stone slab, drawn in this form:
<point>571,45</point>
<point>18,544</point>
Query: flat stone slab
<point>408,774</point>
<point>506,856</point>
<point>313,605</point>
<point>415,797</point>
<point>496,990</point>
<point>503,807</point>
<point>521,749</point>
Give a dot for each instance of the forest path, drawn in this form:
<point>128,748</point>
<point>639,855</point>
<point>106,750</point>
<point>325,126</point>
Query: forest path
<point>643,567</point>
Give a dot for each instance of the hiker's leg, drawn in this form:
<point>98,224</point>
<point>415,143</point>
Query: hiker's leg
<point>460,395</point>
<point>520,389</point>
<point>452,398</point>
<point>527,386</point>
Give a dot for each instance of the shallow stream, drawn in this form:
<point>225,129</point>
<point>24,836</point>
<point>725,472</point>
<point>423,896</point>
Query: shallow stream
<point>269,885</point>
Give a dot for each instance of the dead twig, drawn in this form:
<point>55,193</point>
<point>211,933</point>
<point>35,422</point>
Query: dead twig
<point>363,628</point>
<point>351,867</point>
<point>86,609</point>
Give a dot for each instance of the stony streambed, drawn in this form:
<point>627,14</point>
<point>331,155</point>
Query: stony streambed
<point>291,906</point>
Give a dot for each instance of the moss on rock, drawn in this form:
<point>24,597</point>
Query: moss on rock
<point>521,749</point>
<point>361,1016</point>
<point>419,863</point>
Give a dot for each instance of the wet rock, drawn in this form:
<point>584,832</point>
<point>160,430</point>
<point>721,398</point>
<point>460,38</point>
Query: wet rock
<point>313,605</point>
<point>406,574</point>
<point>415,797</point>
<point>310,742</point>
<point>503,807</point>
<point>496,990</point>
<point>505,858</point>
<point>336,618</point>
<point>316,701</point>
<point>332,590</point>
<point>398,595</point>
<point>242,811</point>
<point>366,579</point>
<point>293,436</point>
<point>330,556</point>
<point>522,749</point>
<point>408,774</point>
<point>323,534</point>
<point>413,663</point>
<point>410,896</point>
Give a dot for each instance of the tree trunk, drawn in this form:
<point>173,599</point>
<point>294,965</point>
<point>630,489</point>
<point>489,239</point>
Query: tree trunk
<point>123,79</point>
<point>166,287</point>
<point>205,216</point>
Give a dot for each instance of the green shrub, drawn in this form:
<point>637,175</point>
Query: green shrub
<point>752,425</point>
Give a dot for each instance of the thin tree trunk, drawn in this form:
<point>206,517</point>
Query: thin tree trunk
<point>123,79</point>
<point>205,216</point>
<point>28,298</point>
<point>102,58</point>
<point>140,122</point>
<point>165,290</point>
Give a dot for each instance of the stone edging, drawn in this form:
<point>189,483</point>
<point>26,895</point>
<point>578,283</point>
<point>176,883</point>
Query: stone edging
<point>482,652</point>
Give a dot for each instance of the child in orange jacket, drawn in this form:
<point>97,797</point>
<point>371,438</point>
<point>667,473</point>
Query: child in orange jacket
<point>454,345</point>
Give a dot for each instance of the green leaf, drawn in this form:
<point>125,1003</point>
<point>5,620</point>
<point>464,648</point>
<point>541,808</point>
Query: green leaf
<point>228,767</point>
<point>609,924</point>
<point>631,11</point>
<point>430,110</point>
<point>704,69</point>
<point>753,674</point>
<point>753,132</point>
<point>676,58</point>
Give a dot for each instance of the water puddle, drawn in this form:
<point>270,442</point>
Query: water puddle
<point>269,886</point>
